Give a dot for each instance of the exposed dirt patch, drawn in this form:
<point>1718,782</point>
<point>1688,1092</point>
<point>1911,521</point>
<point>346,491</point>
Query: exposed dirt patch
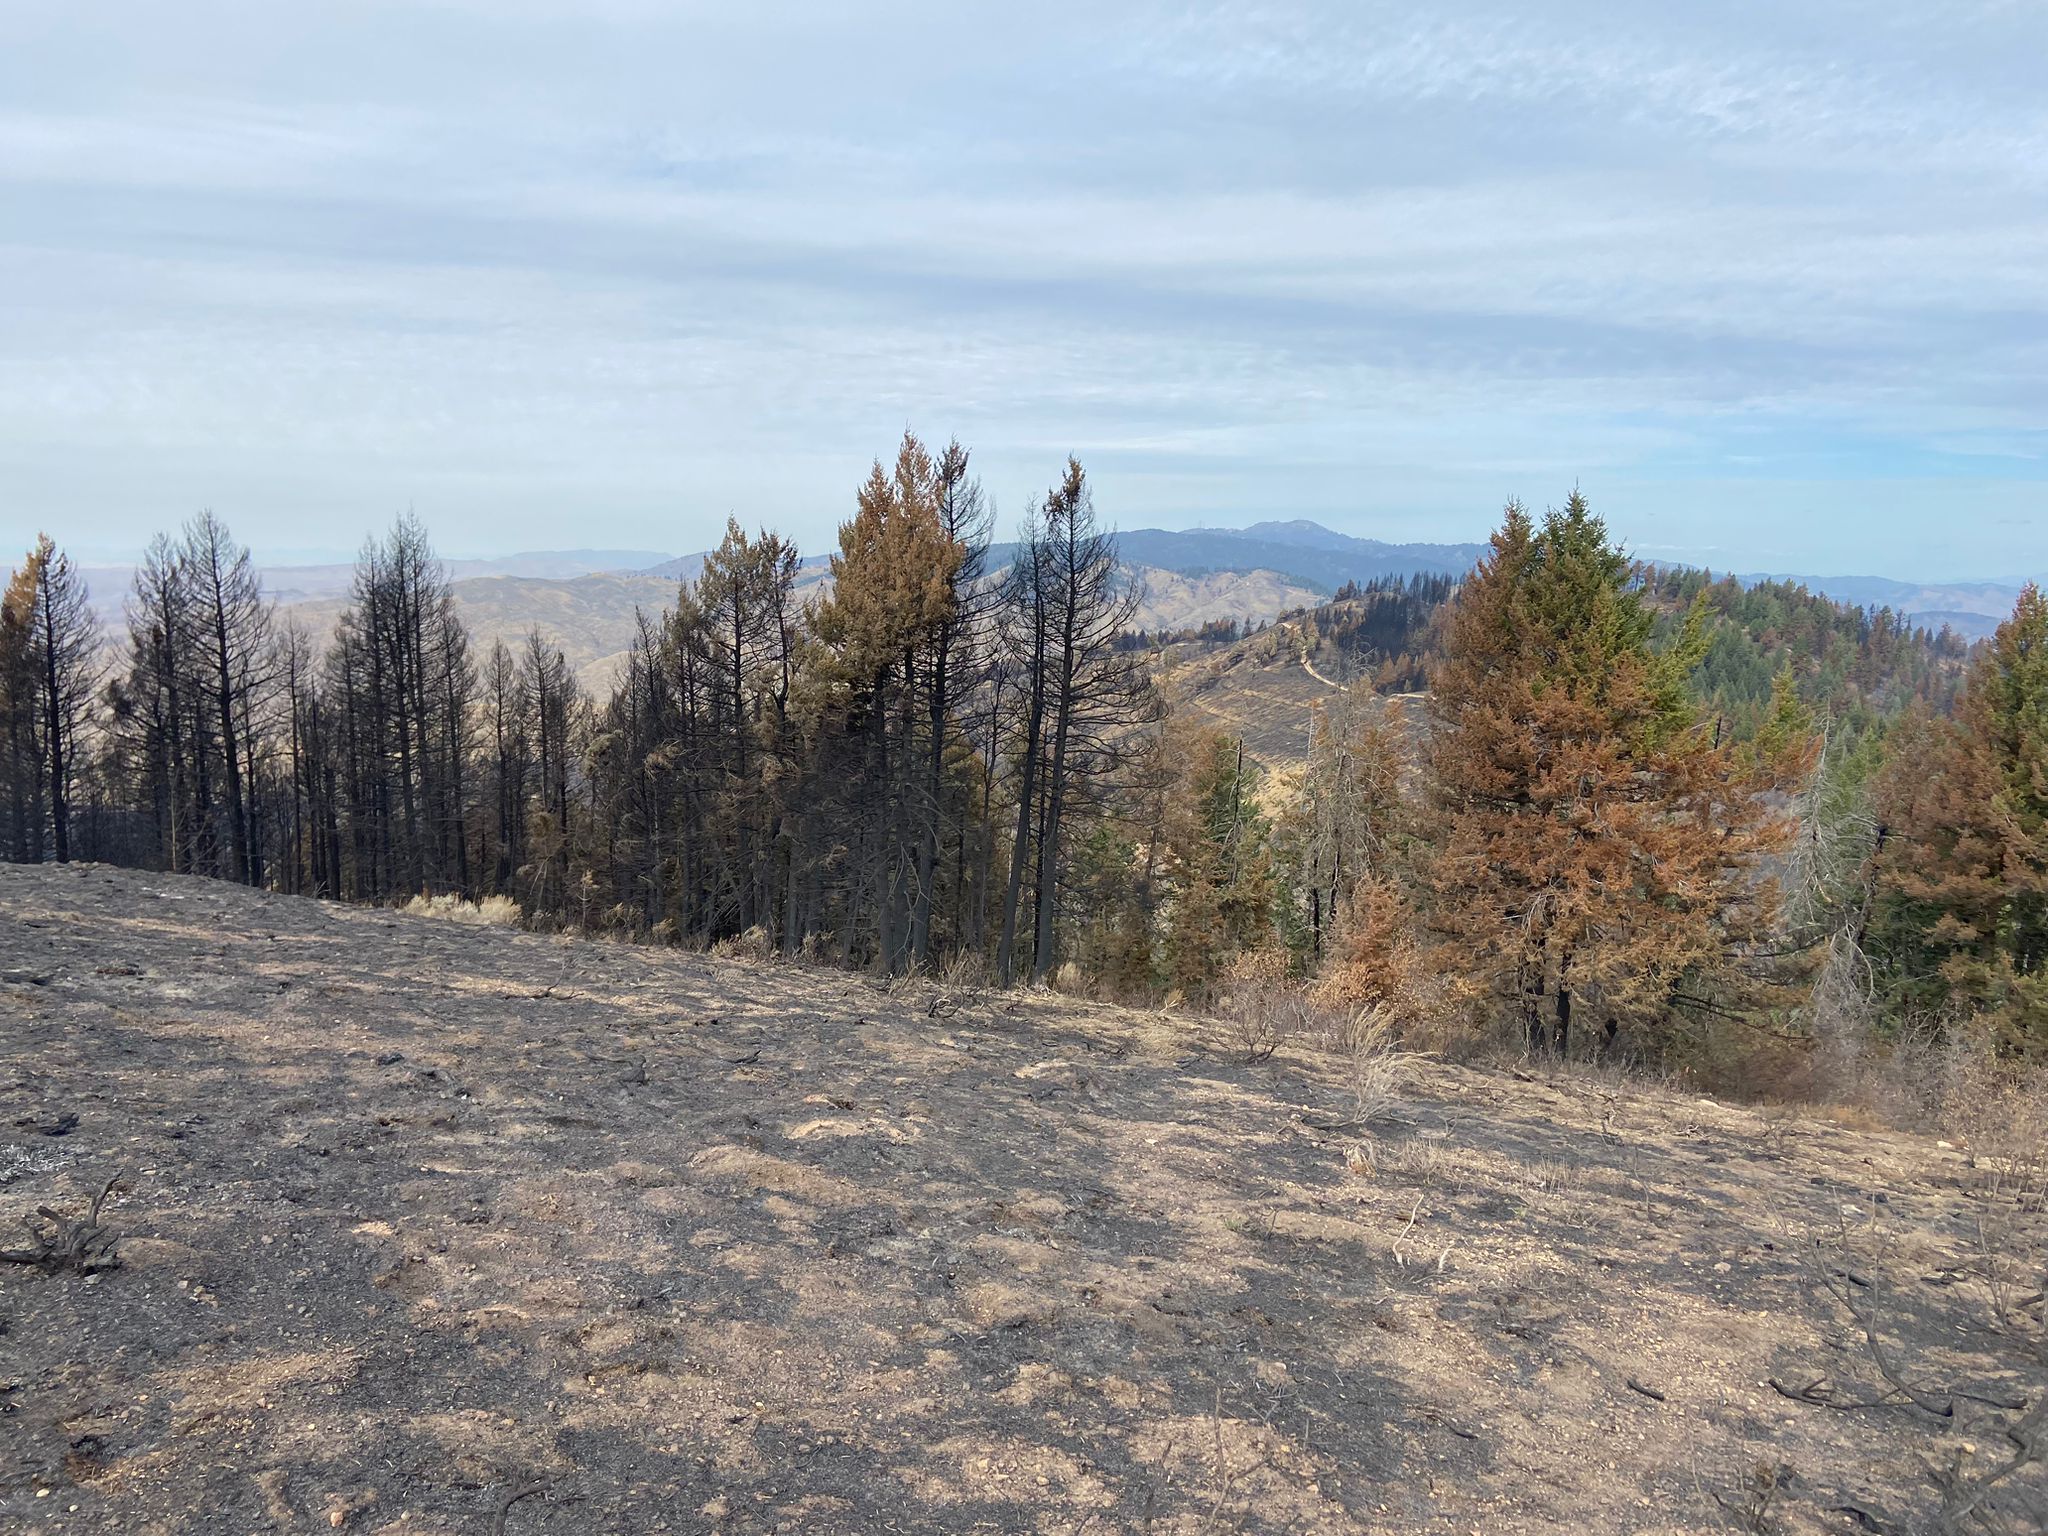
<point>421,1218</point>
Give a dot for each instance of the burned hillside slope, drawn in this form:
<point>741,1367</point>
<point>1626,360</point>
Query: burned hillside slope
<point>425,1228</point>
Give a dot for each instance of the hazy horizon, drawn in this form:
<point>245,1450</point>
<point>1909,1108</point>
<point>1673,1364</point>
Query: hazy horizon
<point>274,558</point>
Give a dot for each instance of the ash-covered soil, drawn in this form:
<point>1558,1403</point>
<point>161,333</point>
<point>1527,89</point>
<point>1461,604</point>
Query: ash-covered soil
<point>418,1218</point>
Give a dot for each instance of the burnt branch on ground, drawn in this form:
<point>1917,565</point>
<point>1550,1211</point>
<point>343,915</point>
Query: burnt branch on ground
<point>60,1244</point>
<point>513,1496</point>
<point>1983,1486</point>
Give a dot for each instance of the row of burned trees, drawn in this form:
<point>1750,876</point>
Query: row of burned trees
<point>895,770</point>
<point>888,772</point>
<point>942,755</point>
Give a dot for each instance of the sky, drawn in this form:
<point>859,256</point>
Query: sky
<point>1769,282</point>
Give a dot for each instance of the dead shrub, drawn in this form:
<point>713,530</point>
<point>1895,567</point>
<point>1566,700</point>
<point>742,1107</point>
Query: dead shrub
<point>2000,1116</point>
<point>1261,1009</point>
<point>1260,1023</point>
<point>1849,1059</point>
<point>1841,1018</point>
<point>1745,1502</point>
<point>1983,1405</point>
<point>1997,1110</point>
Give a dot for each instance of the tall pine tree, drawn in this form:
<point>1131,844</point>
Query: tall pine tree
<point>1962,924</point>
<point>1597,852</point>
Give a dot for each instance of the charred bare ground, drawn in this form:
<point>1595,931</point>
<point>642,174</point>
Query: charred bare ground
<point>426,1228</point>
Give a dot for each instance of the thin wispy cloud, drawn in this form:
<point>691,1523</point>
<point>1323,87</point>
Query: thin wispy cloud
<point>569,274</point>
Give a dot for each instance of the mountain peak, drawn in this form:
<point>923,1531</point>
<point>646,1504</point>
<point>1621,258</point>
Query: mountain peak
<point>1299,532</point>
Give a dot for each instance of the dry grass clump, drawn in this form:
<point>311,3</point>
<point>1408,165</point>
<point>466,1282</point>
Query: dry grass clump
<point>1376,1068</point>
<point>1413,1159</point>
<point>754,944</point>
<point>491,912</point>
<point>966,973</point>
<point>1549,1177</point>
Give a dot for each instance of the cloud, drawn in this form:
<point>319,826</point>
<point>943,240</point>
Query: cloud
<point>629,267</point>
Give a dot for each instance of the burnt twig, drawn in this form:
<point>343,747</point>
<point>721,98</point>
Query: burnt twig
<point>523,1491</point>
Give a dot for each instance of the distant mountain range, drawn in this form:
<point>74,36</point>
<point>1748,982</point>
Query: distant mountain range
<point>1322,559</point>
<point>109,584</point>
<point>810,569</point>
<point>1972,609</point>
<point>583,600</point>
<point>1310,553</point>
<point>289,583</point>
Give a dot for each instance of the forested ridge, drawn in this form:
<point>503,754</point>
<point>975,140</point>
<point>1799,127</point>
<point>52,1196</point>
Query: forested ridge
<point>1736,830</point>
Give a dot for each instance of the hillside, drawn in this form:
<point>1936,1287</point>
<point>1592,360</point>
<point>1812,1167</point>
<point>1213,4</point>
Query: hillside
<point>582,601</point>
<point>429,1229</point>
<point>1173,600</point>
<point>1261,689</point>
<point>589,618</point>
<point>1305,552</point>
